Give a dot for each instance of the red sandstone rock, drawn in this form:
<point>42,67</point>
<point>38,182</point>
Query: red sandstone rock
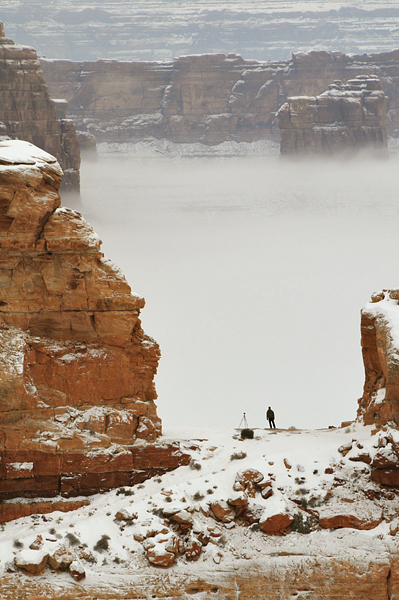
<point>380,401</point>
<point>357,516</point>
<point>77,571</point>
<point>276,524</point>
<point>77,370</point>
<point>222,511</point>
<point>247,481</point>
<point>160,557</point>
<point>193,549</point>
<point>61,558</point>
<point>32,561</point>
<point>14,509</point>
<point>386,477</point>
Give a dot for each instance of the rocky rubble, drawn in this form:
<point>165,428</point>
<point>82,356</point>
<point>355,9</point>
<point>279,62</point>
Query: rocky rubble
<point>28,113</point>
<point>76,389</point>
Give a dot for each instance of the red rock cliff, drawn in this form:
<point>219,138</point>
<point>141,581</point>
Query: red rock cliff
<point>76,369</point>
<point>380,348</point>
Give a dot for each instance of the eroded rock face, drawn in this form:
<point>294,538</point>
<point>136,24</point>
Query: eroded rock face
<point>77,370</point>
<point>347,117</point>
<point>380,401</point>
<point>205,98</point>
<point>28,113</point>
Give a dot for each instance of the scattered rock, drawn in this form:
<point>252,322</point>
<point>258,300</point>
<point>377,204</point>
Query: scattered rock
<point>222,511</point>
<point>193,549</point>
<point>276,524</point>
<point>158,555</point>
<point>37,543</point>
<point>61,559</point>
<point>77,570</point>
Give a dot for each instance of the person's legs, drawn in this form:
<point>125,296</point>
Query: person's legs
<point>274,425</point>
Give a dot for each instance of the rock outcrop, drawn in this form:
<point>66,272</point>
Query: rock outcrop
<point>347,117</point>
<point>76,369</point>
<point>380,348</point>
<point>28,113</point>
<point>208,98</point>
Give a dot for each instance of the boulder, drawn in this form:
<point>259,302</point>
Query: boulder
<point>193,549</point>
<point>159,556</point>
<point>32,561</point>
<point>247,480</point>
<point>77,570</point>
<point>61,558</point>
<point>355,515</point>
<point>222,511</point>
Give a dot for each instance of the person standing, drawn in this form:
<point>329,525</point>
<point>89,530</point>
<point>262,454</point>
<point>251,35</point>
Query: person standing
<point>270,418</point>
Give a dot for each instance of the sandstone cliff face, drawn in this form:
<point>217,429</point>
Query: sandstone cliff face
<point>76,369</point>
<point>347,117</point>
<point>208,98</point>
<point>380,401</point>
<point>28,113</point>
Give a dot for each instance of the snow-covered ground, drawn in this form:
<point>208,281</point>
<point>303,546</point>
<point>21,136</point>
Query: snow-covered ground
<point>168,513</point>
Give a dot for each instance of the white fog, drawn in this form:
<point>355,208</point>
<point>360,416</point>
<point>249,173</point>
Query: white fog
<point>254,270</point>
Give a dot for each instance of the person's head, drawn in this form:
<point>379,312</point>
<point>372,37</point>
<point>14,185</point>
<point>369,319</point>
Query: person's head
<point>269,407</point>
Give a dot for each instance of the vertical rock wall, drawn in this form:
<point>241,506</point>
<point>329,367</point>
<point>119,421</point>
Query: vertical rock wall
<point>28,113</point>
<point>380,348</point>
<point>346,117</point>
<point>205,98</point>
<point>76,369</point>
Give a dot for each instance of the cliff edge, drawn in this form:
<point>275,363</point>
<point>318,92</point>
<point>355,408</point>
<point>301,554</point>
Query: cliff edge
<point>76,369</point>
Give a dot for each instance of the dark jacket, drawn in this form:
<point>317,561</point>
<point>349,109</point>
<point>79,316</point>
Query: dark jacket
<point>270,414</point>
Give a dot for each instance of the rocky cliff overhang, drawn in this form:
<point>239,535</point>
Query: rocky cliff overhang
<point>347,117</point>
<point>76,369</point>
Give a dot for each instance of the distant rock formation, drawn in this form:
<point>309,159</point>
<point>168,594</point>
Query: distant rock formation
<point>380,347</point>
<point>28,113</point>
<point>76,369</point>
<point>205,98</point>
<point>347,117</point>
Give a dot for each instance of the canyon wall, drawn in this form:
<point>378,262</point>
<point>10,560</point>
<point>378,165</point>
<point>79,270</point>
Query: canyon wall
<point>347,117</point>
<point>76,369</point>
<point>208,98</point>
<point>28,113</point>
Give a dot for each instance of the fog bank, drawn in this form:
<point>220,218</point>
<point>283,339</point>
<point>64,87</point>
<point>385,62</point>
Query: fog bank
<point>254,270</point>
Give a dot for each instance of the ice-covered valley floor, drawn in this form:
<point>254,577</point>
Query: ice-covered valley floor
<point>112,538</point>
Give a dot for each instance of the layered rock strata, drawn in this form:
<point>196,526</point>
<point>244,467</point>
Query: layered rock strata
<point>76,369</point>
<point>208,98</point>
<point>346,117</point>
<point>28,113</point>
